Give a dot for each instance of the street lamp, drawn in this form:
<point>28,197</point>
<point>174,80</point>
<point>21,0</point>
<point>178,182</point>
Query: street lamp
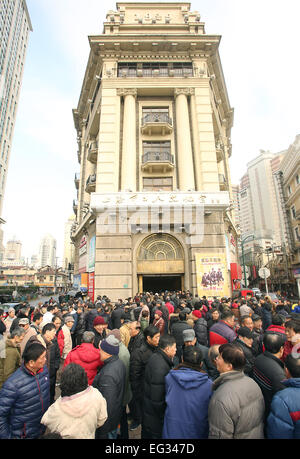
<point>250,237</point>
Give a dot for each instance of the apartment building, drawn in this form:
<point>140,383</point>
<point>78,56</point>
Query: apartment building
<point>153,126</point>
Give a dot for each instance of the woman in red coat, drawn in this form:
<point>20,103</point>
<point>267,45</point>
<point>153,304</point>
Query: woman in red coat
<point>87,356</point>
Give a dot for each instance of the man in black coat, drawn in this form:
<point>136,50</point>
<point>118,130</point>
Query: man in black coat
<point>80,325</point>
<point>136,336</point>
<point>90,316</point>
<point>177,329</point>
<point>110,381</point>
<point>245,341</point>
<point>200,327</point>
<point>268,369</point>
<point>117,315</point>
<point>138,360</point>
<point>154,405</point>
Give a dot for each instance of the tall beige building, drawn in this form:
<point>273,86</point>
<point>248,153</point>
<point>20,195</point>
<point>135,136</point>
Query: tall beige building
<point>12,254</point>
<point>289,178</point>
<point>153,121</point>
<point>15,26</point>
<point>261,210</point>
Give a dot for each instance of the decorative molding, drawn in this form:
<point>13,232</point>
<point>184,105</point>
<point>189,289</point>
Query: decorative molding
<point>185,91</point>
<point>127,92</point>
<point>124,199</point>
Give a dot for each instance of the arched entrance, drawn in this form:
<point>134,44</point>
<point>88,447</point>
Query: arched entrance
<point>160,264</point>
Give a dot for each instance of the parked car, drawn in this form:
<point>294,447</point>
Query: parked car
<point>238,294</point>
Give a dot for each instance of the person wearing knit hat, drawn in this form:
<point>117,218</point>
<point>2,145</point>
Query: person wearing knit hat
<point>197,313</point>
<point>116,332</point>
<point>111,382</point>
<point>200,327</point>
<point>99,320</point>
<point>124,356</point>
<point>110,346</point>
<point>99,330</point>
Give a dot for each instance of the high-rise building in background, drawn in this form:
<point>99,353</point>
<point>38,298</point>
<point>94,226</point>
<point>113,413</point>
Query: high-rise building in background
<point>12,253</point>
<point>289,191</point>
<point>260,209</point>
<point>15,26</point>
<point>153,127</point>
<point>47,252</point>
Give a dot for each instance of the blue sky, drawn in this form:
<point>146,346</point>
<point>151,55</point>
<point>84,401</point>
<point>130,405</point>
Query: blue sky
<point>260,56</point>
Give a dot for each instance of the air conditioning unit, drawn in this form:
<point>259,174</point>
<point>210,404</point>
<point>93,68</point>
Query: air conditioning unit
<point>156,72</point>
<point>139,72</point>
<point>171,73</point>
<point>124,73</point>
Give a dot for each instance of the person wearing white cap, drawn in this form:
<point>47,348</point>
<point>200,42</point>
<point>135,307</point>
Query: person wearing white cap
<point>29,332</point>
<point>69,322</point>
<point>9,319</point>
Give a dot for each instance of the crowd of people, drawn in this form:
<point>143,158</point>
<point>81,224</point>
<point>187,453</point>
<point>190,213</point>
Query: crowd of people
<point>175,365</point>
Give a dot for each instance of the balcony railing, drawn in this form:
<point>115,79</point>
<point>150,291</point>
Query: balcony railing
<point>156,123</point>
<point>155,73</point>
<point>76,180</point>
<point>75,205</point>
<point>93,152</point>
<point>156,117</point>
<point>91,183</point>
<point>157,161</point>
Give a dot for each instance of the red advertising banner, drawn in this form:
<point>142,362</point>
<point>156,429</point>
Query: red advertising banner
<point>236,276</point>
<point>91,286</point>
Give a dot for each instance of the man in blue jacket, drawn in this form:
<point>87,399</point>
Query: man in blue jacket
<point>25,397</point>
<point>188,392</point>
<point>284,418</point>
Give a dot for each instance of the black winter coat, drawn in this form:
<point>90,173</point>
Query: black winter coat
<point>80,324</point>
<point>266,315</point>
<point>98,337</point>
<point>116,316</point>
<point>257,345</point>
<point>249,355</point>
<point>138,360</point>
<point>177,329</point>
<point>110,381</point>
<point>89,319</point>
<point>268,373</point>
<point>2,327</point>
<point>200,328</point>
<point>135,342</point>
<point>154,404</point>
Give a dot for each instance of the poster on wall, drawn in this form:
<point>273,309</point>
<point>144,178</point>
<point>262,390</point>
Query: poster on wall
<point>92,254</point>
<point>212,275</point>
<point>91,290</point>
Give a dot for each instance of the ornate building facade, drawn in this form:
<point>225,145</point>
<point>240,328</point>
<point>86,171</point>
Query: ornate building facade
<point>154,202</point>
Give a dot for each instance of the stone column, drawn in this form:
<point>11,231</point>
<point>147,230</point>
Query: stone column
<point>196,144</point>
<point>184,145</point>
<point>128,172</point>
<point>140,276</point>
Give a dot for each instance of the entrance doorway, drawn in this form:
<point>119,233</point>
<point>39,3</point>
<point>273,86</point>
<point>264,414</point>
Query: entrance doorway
<point>159,283</point>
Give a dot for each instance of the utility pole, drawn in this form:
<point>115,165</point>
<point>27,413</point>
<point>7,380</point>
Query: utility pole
<point>250,237</point>
<point>55,274</point>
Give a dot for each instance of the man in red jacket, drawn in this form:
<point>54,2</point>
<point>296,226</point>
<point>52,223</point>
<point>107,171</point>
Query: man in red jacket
<point>277,325</point>
<point>87,356</point>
